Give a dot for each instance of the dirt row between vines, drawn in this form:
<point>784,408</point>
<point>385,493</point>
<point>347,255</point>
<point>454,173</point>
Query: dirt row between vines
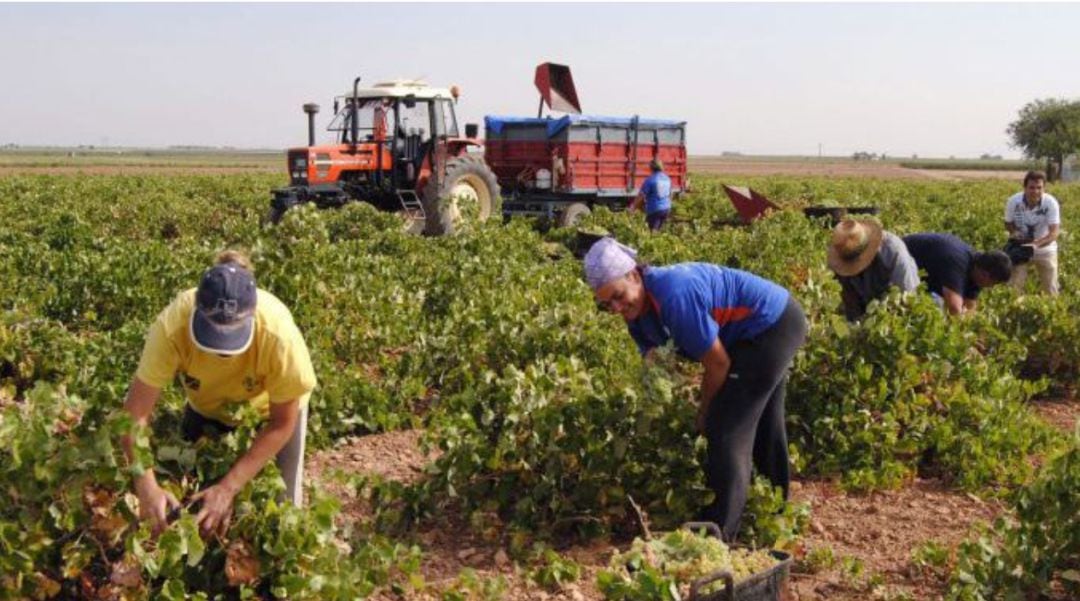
<point>871,538</point>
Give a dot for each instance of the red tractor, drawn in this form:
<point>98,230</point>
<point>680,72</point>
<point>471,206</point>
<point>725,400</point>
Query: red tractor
<point>398,146</point>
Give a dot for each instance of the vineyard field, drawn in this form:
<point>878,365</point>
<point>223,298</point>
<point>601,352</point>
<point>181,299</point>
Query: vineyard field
<point>479,426</point>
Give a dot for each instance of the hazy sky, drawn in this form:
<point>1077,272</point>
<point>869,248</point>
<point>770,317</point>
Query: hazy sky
<point>931,79</point>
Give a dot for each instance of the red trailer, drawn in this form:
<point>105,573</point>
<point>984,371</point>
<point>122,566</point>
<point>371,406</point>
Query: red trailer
<point>562,167</point>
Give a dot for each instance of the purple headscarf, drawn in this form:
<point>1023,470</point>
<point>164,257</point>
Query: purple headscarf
<point>607,261</point>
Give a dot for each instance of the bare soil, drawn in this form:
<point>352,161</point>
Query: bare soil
<point>1060,413</point>
<point>858,546</point>
<point>871,539</point>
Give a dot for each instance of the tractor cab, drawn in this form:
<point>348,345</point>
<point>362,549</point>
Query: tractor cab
<point>405,116</point>
<point>396,145</point>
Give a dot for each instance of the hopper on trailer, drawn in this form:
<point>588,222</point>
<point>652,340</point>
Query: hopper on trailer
<point>563,167</point>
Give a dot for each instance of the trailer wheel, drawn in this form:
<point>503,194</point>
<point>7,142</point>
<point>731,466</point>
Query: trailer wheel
<point>574,213</point>
<point>468,193</point>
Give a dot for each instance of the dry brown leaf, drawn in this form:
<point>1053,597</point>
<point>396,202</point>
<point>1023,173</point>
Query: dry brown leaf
<point>45,587</point>
<point>109,528</point>
<point>241,565</point>
<point>87,587</point>
<point>105,522</point>
<point>67,420</point>
<point>98,500</point>
<point>126,573</point>
<point>110,592</point>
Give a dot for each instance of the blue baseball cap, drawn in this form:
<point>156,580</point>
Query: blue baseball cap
<point>223,321</point>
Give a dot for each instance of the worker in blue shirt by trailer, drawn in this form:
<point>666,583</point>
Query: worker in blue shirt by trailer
<point>745,331</point>
<point>656,195</point>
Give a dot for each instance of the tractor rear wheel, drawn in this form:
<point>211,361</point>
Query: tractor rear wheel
<point>467,193</point>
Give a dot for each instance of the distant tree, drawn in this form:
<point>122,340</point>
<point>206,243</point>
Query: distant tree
<point>1048,129</point>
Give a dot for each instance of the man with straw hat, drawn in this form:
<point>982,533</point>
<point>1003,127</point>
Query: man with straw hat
<point>743,329</point>
<point>868,261</point>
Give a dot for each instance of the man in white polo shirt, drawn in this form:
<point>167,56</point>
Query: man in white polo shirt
<point>1034,218</point>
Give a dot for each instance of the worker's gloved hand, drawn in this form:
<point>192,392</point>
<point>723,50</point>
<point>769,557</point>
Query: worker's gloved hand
<point>155,503</point>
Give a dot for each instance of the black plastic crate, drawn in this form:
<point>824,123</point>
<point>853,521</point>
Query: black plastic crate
<point>763,586</point>
<point>834,215</point>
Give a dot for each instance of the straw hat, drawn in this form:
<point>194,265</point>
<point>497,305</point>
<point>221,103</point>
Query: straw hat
<point>855,243</point>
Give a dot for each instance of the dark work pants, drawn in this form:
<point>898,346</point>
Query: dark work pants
<point>290,459</point>
<point>194,426</point>
<point>746,418</point>
<point>656,220</point>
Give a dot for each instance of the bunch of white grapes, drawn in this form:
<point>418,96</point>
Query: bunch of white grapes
<point>687,556</point>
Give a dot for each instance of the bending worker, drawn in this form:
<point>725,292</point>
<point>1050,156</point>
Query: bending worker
<point>867,261</point>
<point>955,272</point>
<point>228,343</point>
<point>743,329</point>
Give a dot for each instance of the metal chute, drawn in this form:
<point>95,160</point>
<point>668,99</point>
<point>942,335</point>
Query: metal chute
<point>749,203</point>
<point>556,87</point>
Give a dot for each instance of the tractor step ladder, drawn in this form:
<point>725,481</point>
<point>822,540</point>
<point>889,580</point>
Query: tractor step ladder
<point>411,205</point>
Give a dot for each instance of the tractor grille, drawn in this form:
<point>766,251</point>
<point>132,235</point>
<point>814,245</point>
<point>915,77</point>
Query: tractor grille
<point>298,168</point>
<point>322,165</point>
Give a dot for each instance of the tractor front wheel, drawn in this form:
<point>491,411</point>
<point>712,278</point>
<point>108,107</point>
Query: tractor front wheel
<point>274,215</point>
<point>467,193</point>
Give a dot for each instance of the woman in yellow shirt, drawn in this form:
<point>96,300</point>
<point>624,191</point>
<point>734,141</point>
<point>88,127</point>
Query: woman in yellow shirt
<point>227,343</point>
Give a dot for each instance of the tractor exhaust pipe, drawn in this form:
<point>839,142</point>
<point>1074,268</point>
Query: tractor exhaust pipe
<point>311,108</point>
<point>354,112</point>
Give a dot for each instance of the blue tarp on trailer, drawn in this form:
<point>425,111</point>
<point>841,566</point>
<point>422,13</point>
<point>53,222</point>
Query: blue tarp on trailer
<point>495,123</point>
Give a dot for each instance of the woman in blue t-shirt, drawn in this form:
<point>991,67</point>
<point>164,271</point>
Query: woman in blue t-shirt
<point>743,329</point>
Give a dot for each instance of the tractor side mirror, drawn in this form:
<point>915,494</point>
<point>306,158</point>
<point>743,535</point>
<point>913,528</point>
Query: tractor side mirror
<point>410,101</point>
<point>472,130</point>
<point>336,106</point>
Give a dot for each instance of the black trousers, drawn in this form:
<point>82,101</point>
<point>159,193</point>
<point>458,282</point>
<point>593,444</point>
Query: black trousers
<point>745,421</point>
<point>656,220</point>
<point>194,426</point>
